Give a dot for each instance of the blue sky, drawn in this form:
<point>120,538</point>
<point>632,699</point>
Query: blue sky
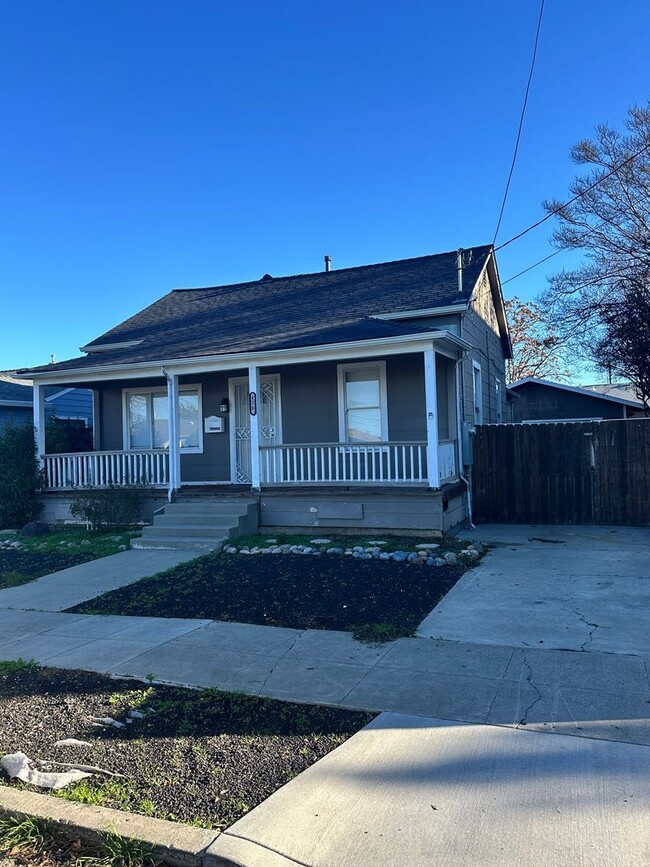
<point>153,144</point>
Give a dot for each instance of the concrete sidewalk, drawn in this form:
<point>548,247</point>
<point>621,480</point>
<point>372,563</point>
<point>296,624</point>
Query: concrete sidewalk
<point>420,792</point>
<point>454,774</point>
<point>77,584</point>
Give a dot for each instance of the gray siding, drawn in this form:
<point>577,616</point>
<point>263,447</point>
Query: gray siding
<point>488,352</point>
<point>395,511</point>
<point>214,464</point>
<point>538,401</point>
<point>405,386</point>
<point>309,400</point>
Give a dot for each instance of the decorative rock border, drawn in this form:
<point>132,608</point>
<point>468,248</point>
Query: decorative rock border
<point>422,554</point>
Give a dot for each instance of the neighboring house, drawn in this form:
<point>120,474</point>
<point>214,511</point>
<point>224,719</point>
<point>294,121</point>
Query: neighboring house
<point>17,401</point>
<point>542,400</point>
<point>343,396</point>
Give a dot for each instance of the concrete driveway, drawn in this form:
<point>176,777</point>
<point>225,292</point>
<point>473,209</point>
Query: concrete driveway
<point>568,588</point>
<point>559,775</point>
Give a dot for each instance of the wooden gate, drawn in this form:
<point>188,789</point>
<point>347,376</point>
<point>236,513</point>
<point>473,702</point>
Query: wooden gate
<point>566,473</point>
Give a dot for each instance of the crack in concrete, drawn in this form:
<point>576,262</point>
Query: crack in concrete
<point>279,659</point>
<point>529,679</point>
<point>592,629</point>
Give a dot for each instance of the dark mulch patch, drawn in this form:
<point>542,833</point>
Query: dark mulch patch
<point>28,565</point>
<point>204,758</point>
<point>302,592</point>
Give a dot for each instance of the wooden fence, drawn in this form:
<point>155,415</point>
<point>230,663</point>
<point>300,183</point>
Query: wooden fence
<point>567,473</point>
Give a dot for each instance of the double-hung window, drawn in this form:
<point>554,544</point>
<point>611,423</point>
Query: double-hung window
<point>146,419</point>
<point>363,416</point>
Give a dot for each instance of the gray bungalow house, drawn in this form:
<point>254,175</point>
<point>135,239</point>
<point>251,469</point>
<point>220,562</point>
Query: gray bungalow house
<point>338,399</point>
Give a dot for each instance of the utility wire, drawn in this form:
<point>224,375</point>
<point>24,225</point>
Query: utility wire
<point>530,267</point>
<point>574,199</point>
<point>521,122</point>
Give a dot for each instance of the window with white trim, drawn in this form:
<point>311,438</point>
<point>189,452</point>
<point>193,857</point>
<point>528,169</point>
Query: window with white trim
<point>478,392</point>
<point>146,419</point>
<point>363,415</point>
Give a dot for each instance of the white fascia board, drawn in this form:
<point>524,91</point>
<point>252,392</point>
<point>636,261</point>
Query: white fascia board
<point>104,347</point>
<point>422,313</point>
<point>447,344</point>
<point>17,403</point>
<point>576,390</point>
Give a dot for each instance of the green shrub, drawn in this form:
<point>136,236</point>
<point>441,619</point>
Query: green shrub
<point>103,508</point>
<point>19,475</point>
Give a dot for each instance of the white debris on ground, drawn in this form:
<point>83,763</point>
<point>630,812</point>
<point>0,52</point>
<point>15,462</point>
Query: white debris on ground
<point>106,721</point>
<point>72,742</point>
<point>423,553</point>
<point>18,766</point>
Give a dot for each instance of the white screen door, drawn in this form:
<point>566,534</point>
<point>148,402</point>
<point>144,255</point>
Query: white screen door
<point>268,405</point>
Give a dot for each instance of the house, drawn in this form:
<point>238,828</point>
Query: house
<point>543,400</point>
<point>334,399</point>
<point>73,405</point>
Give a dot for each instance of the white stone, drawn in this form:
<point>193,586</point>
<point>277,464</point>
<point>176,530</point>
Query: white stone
<point>426,546</point>
<point>321,541</point>
<point>376,542</point>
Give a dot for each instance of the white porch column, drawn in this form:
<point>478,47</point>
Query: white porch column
<point>431,404</point>
<point>39,421</point>
<point>174,434</point>
<point>254,402</point>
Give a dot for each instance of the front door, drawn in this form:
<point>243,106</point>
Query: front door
<point>270,428</point>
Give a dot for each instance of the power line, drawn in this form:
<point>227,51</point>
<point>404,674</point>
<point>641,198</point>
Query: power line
<point>521,122</point>
<point>530,267</point>
<point>574,199</point>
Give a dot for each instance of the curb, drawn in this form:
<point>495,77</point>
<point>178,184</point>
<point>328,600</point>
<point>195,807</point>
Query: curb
<point>176,844</point>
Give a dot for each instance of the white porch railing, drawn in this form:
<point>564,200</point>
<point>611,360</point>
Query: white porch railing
<point>344,463</point>
<point>101,469</point>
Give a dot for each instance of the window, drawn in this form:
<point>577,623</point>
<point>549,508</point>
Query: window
<point>146,419</point>
<point>497,388</point>
<point>363,416</point>
<point>478,393</point>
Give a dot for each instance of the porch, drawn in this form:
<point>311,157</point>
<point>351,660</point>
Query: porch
<point>356,422</point>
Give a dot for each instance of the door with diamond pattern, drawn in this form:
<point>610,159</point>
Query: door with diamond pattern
<point>268,405</point>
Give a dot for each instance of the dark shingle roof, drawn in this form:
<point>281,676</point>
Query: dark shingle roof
<point>284,312</point>
<point>14,390</point>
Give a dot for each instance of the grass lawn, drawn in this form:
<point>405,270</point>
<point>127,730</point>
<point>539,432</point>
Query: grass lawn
<point>199,757</point>
<point>375,599</point>
<point>59,549</point>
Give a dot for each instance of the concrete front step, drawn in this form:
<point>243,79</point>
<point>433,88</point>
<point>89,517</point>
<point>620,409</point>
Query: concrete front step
<point>179,519</point>
<point>192,530</point>
<point>175,543</point>
<point>199,526</point>
<point>206,507</point>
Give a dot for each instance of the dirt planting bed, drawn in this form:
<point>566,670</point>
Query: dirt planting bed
<point>200,757</point>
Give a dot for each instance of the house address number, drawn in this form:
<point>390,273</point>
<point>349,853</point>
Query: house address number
<point>252,402</point>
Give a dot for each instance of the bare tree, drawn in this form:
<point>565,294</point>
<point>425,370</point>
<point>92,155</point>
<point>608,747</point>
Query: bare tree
<point>608,220</point>
<point>536,350</point>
